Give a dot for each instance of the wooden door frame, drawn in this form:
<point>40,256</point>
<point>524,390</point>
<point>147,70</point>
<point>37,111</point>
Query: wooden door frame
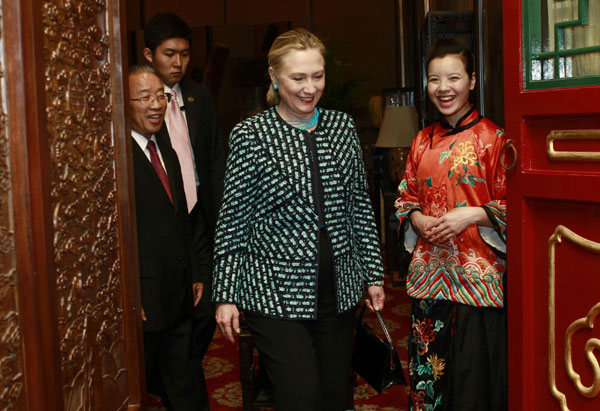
<point>26,108</point>
<point>30,186</point>
<point>126,207</point>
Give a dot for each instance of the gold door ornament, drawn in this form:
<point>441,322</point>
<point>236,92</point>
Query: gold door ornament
<point>585,322</point>
<point>572,135</point>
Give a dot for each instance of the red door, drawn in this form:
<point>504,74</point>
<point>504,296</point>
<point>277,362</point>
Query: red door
<point>552,102</point>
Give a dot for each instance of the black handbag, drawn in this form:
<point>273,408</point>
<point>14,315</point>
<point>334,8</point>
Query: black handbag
<point>375,359</point>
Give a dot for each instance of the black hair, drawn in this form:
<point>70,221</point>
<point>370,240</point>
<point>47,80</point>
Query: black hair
<point>165,26</point>
<point>452,46</point>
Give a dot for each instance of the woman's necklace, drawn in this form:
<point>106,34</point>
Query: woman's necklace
<point>303,124</point>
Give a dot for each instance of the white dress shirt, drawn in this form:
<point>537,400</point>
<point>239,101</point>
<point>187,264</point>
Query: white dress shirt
<point>143,143</point>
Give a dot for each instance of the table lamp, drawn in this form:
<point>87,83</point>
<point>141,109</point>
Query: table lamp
<point>399,126</point>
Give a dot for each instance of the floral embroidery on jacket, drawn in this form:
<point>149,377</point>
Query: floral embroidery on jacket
<point>463,156</point>
<point>436,203</point>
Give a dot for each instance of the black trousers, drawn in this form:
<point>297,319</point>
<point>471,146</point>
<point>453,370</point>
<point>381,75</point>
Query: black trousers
<point>170,373</point>
<point>203,331</point>
<point>308,361</point>
<point>204,314</point>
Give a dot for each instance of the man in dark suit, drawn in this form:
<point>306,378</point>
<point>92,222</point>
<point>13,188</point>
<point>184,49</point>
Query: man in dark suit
<point>172,268</point>
<point>167,41</point>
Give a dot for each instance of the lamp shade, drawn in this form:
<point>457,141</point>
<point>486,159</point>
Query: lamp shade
<point>399,126</point>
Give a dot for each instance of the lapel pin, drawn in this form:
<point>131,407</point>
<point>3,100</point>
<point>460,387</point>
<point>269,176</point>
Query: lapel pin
<point>191,99</point>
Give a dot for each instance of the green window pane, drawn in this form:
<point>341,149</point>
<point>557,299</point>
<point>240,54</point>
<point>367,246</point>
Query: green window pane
<point>561,43</point>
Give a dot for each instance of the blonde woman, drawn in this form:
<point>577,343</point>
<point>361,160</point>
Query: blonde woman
<point>296,242</point>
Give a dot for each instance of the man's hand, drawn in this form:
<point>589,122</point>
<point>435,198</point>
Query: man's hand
<point>198,289</point>
<point>376,298</point>
<point>228,318</point>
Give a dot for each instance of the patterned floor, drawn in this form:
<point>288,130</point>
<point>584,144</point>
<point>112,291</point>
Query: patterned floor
<point>222,373</point>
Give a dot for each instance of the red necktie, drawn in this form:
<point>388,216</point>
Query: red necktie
<point>160,171</point>
<point>178,132</point>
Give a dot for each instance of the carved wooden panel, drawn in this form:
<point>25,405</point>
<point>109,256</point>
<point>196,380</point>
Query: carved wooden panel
<point>12,385</point>
<point>84,205</point>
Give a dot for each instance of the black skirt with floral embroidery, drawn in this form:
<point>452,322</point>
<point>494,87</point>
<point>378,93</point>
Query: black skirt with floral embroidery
<point>457,357</point>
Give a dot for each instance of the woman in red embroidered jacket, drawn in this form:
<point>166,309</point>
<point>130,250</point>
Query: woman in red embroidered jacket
<point>452,209</point>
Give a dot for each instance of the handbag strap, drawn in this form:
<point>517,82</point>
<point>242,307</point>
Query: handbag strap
<point>384,328</point>
<point>381,323</point>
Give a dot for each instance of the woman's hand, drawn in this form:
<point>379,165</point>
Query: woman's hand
<point>422,224</point>
<point>455,221</point>
<point>376,297</point>
<point>228,318</point>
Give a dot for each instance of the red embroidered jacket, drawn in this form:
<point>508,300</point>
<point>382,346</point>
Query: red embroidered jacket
<point>457,167</point>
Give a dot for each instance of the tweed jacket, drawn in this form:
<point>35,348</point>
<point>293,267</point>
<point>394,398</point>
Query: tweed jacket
<point>267,240</point>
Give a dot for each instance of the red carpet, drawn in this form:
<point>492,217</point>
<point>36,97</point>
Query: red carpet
<point>222,371</point>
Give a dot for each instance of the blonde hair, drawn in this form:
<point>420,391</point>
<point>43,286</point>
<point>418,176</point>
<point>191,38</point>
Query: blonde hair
<point>297,39</point>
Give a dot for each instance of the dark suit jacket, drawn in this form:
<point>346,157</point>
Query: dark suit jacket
<point>208,144</point>
<point>168,262</point>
